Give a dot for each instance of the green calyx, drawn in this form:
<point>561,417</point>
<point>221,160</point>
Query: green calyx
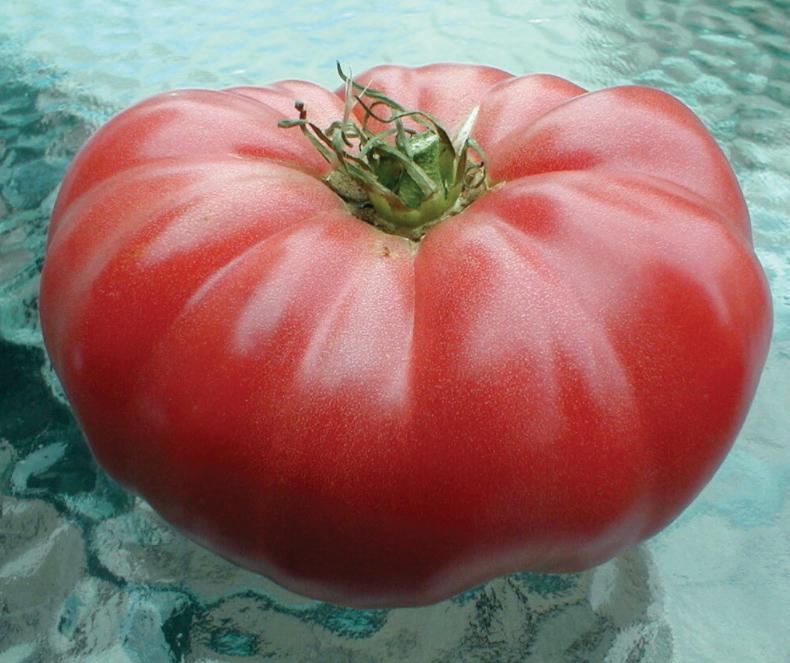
<point>402,179</point>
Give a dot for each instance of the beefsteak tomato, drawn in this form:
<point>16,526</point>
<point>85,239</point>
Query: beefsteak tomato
<point>527,346</point>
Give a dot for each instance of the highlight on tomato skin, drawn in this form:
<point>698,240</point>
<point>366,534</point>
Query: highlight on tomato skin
<point>385,343</point>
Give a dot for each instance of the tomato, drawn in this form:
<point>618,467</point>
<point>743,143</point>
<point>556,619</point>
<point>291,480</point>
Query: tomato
<point>533,380</point>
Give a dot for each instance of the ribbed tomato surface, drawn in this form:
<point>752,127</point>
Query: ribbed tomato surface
<point>543,380</point>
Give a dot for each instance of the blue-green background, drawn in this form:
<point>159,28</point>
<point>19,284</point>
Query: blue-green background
<point>88,573</point>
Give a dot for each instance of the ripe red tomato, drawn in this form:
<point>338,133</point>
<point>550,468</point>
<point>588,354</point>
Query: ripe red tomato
<point>535,382</point>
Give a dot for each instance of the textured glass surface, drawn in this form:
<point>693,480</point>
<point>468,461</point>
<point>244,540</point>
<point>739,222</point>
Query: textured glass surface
<point>88,572</point>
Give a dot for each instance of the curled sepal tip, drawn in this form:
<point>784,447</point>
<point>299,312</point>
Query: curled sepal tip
<point>403,177</point>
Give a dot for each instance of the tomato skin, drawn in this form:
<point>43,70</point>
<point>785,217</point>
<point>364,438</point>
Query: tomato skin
<point>550,378</point>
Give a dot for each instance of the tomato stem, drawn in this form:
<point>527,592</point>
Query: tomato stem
<point>401,179</point>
